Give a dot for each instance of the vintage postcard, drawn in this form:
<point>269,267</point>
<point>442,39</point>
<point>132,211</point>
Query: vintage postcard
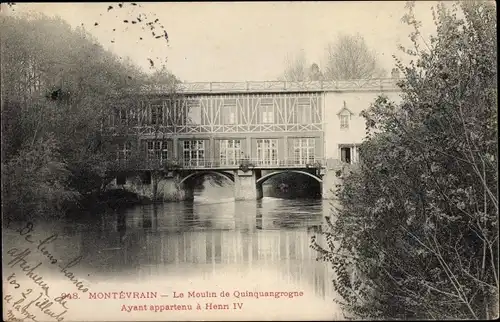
<point>239,161</point>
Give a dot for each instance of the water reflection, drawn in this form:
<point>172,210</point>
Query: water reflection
<point>200,238</point>
<point>152,240</point>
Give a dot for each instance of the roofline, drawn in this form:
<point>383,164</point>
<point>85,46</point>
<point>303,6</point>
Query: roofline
<point>364,85</point>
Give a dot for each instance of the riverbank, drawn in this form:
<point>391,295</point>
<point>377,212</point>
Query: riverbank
<point>113,199</point>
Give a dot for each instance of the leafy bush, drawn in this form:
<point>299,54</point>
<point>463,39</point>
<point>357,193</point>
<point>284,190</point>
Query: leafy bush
<point>416,231</point>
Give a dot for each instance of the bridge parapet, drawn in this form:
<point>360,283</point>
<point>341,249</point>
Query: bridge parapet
<point>376,84</point>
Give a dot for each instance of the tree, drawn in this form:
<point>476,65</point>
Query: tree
<point>298,72</point>
<point>350,58</point>
<point>295,69</point>
<point>58,86</point>
<point>165,77</point>
<point>416,231</point>
<point>347,58</point>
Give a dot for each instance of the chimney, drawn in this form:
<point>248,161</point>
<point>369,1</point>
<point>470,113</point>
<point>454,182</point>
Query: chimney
<point>395,73</point>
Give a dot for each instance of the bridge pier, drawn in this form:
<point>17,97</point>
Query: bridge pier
<point>170,188</point>
<point>245,185</point>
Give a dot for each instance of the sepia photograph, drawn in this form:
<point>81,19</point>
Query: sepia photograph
<point>249,161</point>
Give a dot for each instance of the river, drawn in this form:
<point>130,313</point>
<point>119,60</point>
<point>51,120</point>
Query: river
<point>210,242</point>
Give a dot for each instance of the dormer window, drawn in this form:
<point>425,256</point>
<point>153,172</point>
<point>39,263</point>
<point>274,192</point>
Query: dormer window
<point>344,121</point>
<point>344,116</point>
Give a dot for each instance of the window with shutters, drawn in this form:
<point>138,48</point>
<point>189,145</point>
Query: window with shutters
<point>349,153</point>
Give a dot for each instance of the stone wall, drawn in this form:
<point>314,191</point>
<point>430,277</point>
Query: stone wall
<point>167,187</point>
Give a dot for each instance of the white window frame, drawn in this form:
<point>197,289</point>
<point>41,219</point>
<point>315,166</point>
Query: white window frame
<point>157,150</point>
<point>230,151</point>
<point>353,151</point>
<point>229,115</point>
<point>124,151</point>
<point>344,120</point>
<point>304,150</point>
<point>195,152</point>
<point>267,151</point>
<point>194,114</point>
<point>305,114</point>
<point>267,114</point>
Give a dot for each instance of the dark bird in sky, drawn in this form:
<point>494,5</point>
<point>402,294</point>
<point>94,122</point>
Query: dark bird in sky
<point>151,62</point>
<point>134,4</point>
<point>120,5</point>
<point>134,22</point>
<point>96,24</point>
<point>110,7</point>
<point>125,21</point>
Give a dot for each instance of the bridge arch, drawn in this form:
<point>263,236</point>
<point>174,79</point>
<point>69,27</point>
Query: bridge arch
<point>222,174</point>
<point>272,174</point>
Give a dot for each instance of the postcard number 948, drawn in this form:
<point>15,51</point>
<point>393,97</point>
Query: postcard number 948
<point>69,296</point>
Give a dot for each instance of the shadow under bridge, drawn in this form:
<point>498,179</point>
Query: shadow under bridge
<point>207,183</point>
<point>291,184</point>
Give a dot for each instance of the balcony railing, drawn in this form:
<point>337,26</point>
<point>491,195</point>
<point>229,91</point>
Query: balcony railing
<point>273,86</point>
<point>254,163</point>
<point>244,163</point>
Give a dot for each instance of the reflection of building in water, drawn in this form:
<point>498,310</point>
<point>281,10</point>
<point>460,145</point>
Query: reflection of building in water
<point>208,243</point>
<point>286,251</point>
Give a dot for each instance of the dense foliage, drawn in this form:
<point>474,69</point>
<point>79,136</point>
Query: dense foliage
<point>416,232</point>
<point>57,88</point>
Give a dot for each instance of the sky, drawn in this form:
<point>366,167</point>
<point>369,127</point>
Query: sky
<point>239,41</point>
